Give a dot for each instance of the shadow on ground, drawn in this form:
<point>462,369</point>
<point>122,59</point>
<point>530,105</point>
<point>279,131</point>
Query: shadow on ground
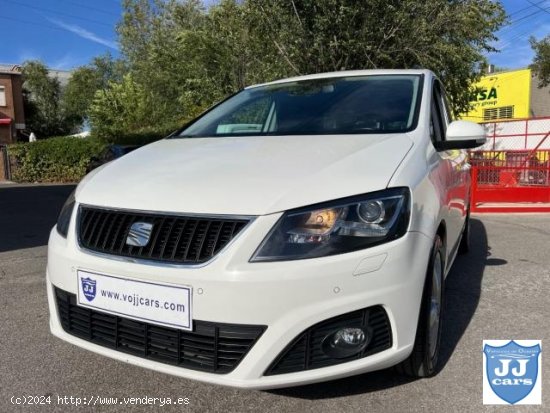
<point>463,290</point>
<point>28,213</point>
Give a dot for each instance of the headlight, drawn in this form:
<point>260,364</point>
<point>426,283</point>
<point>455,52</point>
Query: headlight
<point>337,227</point>
<point>64,217</point>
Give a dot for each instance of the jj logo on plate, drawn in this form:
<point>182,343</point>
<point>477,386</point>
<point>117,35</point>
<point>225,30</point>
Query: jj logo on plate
<point>512,372</point>
<point>88,288</point>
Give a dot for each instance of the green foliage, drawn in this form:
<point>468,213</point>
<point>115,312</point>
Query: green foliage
<point>83,84</point>
<point>121,108</point>
<point>79,93</point>
<point>52,110</point>
<point>61,159</point>
<point>541,61</point>
<point>182,57</point>
<point>448,37</point>
<point>42,96</point>
<point>158,62</point>
<point>185,58</point>
<point>224,55</point>
<point>121,114</point>
<point>140,137</point>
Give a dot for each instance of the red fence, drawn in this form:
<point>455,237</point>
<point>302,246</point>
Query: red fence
<point>511,172</point>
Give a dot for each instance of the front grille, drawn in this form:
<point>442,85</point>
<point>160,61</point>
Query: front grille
<point>305,351</point>
<point>211,347</point>
<point>174,238</point>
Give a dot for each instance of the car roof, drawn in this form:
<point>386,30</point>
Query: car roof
<point>348,73</point>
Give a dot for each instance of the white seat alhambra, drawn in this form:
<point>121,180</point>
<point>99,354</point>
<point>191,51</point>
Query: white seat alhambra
<point>299,231</point>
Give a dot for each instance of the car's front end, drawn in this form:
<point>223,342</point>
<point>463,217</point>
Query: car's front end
<point>250,262</point>
<point>270,311</point>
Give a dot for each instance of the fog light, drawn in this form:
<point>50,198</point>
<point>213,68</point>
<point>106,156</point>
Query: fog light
<point>346,342</point>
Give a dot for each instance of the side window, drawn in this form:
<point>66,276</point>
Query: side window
<point>437,125</point>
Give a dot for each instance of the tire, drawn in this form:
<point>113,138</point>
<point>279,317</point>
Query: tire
<point>423,361</point>
<point>464,247</point>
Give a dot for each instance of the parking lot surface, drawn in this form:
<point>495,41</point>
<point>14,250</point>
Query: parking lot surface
<point>499,291</point>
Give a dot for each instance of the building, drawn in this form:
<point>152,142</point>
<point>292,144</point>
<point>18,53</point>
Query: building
<point>63,76</point>
<point>12,117</point>
<point>510,94</point>
<point>540,100</point>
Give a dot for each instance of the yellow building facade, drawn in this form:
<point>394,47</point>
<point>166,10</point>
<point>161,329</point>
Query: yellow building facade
<point>501,96</point>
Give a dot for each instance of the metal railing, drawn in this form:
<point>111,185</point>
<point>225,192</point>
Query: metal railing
<point>511,172</point>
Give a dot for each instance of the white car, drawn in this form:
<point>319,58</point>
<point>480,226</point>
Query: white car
<point>297,232</point>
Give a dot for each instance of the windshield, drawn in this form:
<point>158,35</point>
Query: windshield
<point>354,104</point>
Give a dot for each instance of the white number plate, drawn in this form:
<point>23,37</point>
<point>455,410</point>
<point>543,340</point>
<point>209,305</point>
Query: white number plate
<point>163,304</point>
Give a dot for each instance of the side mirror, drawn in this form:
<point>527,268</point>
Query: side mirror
<point>462,134</point>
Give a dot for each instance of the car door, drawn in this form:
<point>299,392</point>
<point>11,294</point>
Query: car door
<point>461,195</point>
<point>452,172</point>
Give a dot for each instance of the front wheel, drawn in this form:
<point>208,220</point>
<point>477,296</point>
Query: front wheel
<point>423,361</point>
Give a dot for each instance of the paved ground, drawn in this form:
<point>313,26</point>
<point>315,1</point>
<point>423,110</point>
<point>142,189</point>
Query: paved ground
<point>501,290</point>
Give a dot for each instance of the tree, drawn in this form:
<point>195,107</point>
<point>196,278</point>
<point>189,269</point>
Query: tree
<point>158,60</point>
<point>120,108</point>
<point>184,57</point>
<point>42,95</point>
<point>541,61</point>
<point>83,84</point>
<point>222,55</point>
<point>449,37</point>
<point>187,57</point>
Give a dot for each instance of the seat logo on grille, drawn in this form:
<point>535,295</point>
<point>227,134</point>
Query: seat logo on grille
<point>139,234</point>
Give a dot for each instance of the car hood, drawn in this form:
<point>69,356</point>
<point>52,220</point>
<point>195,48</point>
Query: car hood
<point>245,175</point>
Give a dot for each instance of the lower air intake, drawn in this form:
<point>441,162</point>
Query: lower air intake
<point>305,351</point>
<point>211,347</point>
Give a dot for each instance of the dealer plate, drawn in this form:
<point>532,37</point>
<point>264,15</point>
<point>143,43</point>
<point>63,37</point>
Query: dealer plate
<point>167,305</point>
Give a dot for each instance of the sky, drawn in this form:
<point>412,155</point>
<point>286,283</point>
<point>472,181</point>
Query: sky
<point>68,33</point>
<point>62,33</point>
<point>526,18</point>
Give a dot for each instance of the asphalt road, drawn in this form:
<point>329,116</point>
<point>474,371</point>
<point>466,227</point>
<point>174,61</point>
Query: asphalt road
<point>499,291</point>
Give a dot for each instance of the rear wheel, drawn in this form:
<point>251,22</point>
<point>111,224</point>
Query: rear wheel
<point>423,361</point>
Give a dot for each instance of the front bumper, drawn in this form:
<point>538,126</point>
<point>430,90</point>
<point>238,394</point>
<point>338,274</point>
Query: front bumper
<point>287,297</point>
